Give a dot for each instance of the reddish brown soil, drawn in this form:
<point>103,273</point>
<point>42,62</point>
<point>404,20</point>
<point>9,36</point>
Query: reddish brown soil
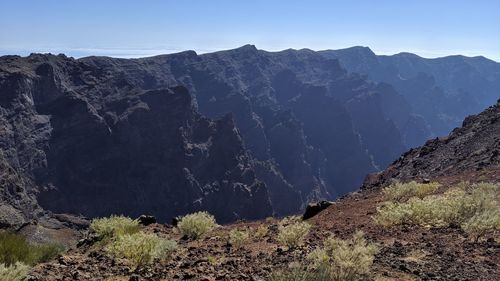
<point>406,252</point>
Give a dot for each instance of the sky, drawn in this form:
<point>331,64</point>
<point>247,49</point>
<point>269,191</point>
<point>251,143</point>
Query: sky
<point>128,28</point>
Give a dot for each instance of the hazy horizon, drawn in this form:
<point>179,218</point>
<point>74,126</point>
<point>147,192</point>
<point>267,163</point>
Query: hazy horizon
<point>118,53</point>
<point>138,29</point>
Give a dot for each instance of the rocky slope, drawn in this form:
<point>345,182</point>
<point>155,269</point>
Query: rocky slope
<point>474,146</point>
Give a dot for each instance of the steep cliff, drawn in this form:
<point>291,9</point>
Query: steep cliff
<point>125,135</point>
<point>259,88</point>
<point>97,149</point>
<point>440,91</point>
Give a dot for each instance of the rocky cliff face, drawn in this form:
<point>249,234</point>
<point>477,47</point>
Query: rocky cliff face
<point>98,149</point>
<point>474,146</point>
<point>100,135</point>
<point>441,91</point>
<point>260,88</point>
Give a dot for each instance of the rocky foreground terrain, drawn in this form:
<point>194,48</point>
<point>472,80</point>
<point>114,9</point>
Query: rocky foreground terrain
<point>406,252</point>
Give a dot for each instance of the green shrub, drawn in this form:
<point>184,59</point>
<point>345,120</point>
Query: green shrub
<point>45,252</point>
<point>401,192</point>
<point>141,248</point>
<point>196,224</point>
<point>474,207</point>
<point>15,272</point>
<point>238,237</point>
<point>114,226</point>
<point>15,248</point>
<point>292,232</point>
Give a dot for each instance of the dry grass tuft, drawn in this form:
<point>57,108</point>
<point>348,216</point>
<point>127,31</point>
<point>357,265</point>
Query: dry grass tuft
<point>475,208</point>
<point>197,224</point>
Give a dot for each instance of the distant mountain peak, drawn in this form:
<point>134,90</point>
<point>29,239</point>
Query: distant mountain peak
<point>361,50</point>
<point>407,55</point>
<point>247,48</point>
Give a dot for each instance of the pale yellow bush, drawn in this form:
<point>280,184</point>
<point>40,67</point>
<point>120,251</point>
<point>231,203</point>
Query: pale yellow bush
<point>481,224</point>
<point>292,232</point>
<point>114,226</point>
<point>474,207</point>
<point>436,211</point>
<point>401,192</point>
<point>318,258</point>
<point>15,272</point>
<point>338,260</point>
<point>350,259</point>
<point>301,274</point>
<point>238,237</point>
<point>196,224</point>
<point>141,248</point>
<point>392,214</point>
<point>261,232</point>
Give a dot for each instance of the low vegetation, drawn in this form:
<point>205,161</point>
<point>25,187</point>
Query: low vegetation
<point>298,273</point>
<point>338,260</point>
<point>122,237</point>
<point>141,248</point>
<point>17,255</point>
<point>402,192</point>
<point>214,261</point>
<point>238,238</point>
<point>474,207</point>
<point>348,259</point>
<point>261,232</point>
<point>292,232</point>
<point>197,224</point>
<point>114,226</point>
<point>483,223</point>
<point>14,272</point>
<point>15,248</point>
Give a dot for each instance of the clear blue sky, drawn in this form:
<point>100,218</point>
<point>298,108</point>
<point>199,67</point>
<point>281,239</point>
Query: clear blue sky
<point>127,28</point>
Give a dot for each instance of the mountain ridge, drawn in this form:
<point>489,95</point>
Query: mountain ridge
<point>310,154</point>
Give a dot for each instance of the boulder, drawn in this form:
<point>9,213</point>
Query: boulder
<point>313,209</point>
